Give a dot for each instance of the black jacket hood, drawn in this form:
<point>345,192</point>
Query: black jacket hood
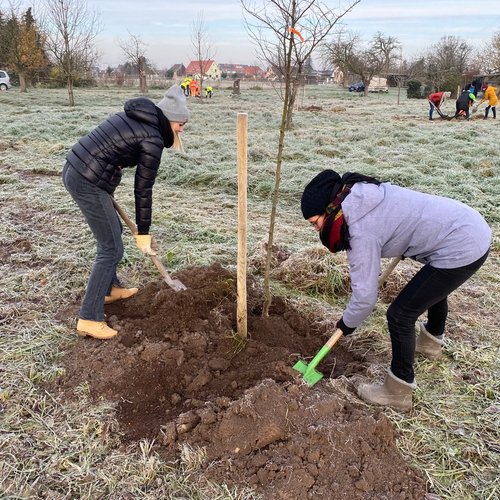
<point>144,110</point>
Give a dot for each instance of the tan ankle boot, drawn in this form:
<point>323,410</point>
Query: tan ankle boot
<point>428,345</point>
<point>118,293</point>
<point>96,329</point>
<point>394,392</point>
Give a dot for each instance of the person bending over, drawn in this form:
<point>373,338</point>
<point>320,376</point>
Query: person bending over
<point>136,138</point>
<point>370,219</point>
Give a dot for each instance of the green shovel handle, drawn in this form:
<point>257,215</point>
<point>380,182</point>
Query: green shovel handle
<point>324,350</point>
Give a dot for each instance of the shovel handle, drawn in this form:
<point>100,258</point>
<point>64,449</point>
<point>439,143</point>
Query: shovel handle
<point>175,284</point>
<point>334,338</point>
<point>125,217</point>
<point>324,351</point>
<point>394,262</point>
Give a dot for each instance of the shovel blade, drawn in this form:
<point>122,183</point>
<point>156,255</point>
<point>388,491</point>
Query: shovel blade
<point>300,366</point>
<point>176,285</point>
<point>311,375</point>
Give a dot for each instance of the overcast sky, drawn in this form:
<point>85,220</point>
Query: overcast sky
<point>166,25</point>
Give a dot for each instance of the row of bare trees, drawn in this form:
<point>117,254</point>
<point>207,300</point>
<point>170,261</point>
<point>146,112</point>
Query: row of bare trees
<point>347,52</point>
<point>62,37</point>
<point>441,66</point>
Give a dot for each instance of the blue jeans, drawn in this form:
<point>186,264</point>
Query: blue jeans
<point>97,208</point>
<point>427,291</point>
<point>431,110</point>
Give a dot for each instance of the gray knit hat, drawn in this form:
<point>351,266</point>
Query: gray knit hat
<point>174,105</point>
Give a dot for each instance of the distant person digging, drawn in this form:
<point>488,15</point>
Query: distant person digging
<point>463,104</point>
<point>370,219</point>
<point>134,137</point>
<point>435,102</point>
<point>490,95</point>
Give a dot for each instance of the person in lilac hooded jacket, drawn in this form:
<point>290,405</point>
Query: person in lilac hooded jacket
<point>370,220</point>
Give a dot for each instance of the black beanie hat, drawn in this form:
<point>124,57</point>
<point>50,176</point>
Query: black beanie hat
<point>319,193</point>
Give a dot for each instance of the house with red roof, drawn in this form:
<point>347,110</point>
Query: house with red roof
<point>209,68</point>
<point>241,71</point>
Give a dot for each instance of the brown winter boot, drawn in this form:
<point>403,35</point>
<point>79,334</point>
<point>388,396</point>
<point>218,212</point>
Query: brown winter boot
<point>118,293</point>
<point>428,345</point>
<point>394,392</point>
<point>96,329</point>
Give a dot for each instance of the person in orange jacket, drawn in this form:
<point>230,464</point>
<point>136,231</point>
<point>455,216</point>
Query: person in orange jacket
<point>194,88</point>
<point>490,95</point>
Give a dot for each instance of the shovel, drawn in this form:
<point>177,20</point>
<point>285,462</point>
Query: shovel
<point>172,283</point>
<point>313,376</point>
<point>388,270</point>
<point>438,111</point>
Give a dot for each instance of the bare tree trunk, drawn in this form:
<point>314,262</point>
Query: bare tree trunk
<point>142,83</point>
<point>22,82</point>
<point>142,75</point>
<point>277,179</point>
<point>202,79</point>
<point>70,91</point>
<point>291,104</point>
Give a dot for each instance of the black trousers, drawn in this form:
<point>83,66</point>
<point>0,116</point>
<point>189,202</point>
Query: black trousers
<point>493,110</point>
<point>458,109</point>
<point>427,291</point>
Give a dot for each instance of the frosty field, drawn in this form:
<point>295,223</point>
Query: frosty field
<point>61,447</point>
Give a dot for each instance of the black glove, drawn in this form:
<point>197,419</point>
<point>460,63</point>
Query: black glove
<point>345,329</point>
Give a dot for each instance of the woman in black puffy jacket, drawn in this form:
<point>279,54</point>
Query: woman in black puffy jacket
<point>134,137</point>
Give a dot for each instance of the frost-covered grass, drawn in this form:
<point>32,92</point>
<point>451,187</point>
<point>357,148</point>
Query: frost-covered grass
<point>52,448</point>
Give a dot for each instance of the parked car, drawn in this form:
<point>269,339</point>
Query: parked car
<point>357,87</point>
<point>4,80</point>
<point>378,84</point>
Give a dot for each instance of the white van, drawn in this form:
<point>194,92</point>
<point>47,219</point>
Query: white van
<point>4,80</point>
<point>378,84</point>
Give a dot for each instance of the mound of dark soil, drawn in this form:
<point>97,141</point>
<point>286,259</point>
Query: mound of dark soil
<point>179,374</point>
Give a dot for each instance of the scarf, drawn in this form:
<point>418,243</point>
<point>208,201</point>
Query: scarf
<point>335,232</point>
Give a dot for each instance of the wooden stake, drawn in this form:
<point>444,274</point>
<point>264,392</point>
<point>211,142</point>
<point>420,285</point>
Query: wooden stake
<point>241,312</point>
